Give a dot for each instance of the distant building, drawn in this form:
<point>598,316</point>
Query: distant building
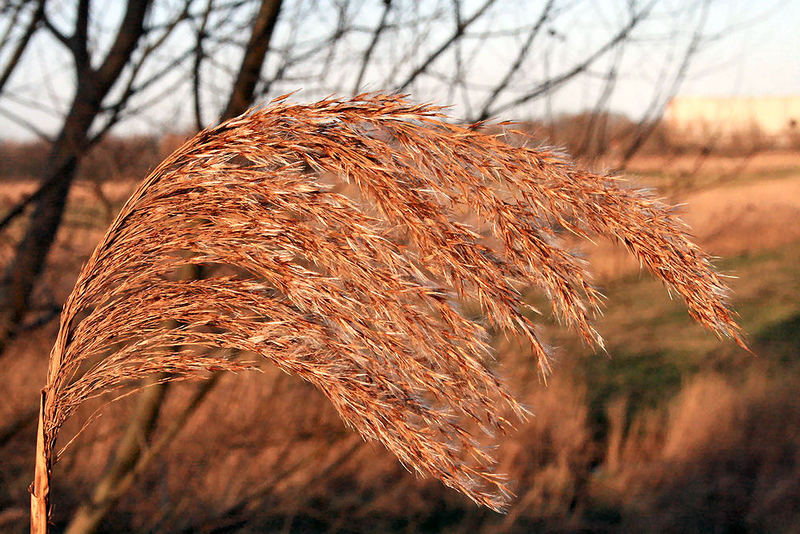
<point>773,120</point>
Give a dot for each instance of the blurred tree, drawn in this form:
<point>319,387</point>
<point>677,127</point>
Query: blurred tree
<point>92,87</point>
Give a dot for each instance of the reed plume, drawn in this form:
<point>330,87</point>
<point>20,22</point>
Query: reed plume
<point>346,266</point>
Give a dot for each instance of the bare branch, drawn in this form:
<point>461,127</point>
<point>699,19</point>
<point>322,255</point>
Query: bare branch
<point>79,42</point>
<point>55,32</point>
<point>130,30</point>
<point>648,123</point>
<point>365,59</point>
<point>250,70</point>
<point>25,123</point>
<point>598,114</point>
<point>33,24</point>
<point>19,208</point>
<point>515,66</point>
<point>117,108</point>
<point>459,31</point>
<point>199,56</point>
<point>553,82</point>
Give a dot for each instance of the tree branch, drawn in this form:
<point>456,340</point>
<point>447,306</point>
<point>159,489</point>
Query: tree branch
<point>551,83</point>
<point>79,42</point>
<point>199,55</point>
<point>30,29</point>
<point>521,55</point>
<point>130,30</point>
<point>24,203</point>
<point>459,31</point>
<point>58,34</point>
<point>387,7</point>
<point>648,123</point>
<point>250,69</point>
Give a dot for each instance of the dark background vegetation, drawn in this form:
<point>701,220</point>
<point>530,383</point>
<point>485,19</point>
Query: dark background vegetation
<point>672,430</point>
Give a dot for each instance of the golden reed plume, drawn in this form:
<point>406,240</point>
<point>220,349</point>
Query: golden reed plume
<point>333,231</point>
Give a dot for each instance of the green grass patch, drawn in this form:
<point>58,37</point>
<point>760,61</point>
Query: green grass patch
<point>654,346</point>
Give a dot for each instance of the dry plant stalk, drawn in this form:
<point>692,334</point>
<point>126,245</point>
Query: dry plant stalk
<point>357,294</point>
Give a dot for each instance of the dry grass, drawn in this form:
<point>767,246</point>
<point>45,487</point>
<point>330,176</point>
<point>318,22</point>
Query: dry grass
<point>730,443</point>
<point>358,295</point>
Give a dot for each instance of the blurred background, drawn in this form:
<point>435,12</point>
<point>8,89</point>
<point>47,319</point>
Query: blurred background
<point>671,431</point>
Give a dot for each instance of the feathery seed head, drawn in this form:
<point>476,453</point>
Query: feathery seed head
<point>340,258</point>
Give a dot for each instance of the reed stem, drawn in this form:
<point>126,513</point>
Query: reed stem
<point>40,492</point>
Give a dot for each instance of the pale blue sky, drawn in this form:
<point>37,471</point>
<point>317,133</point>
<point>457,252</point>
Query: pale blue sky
<point>758,54</point>
<point>761,58</point>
